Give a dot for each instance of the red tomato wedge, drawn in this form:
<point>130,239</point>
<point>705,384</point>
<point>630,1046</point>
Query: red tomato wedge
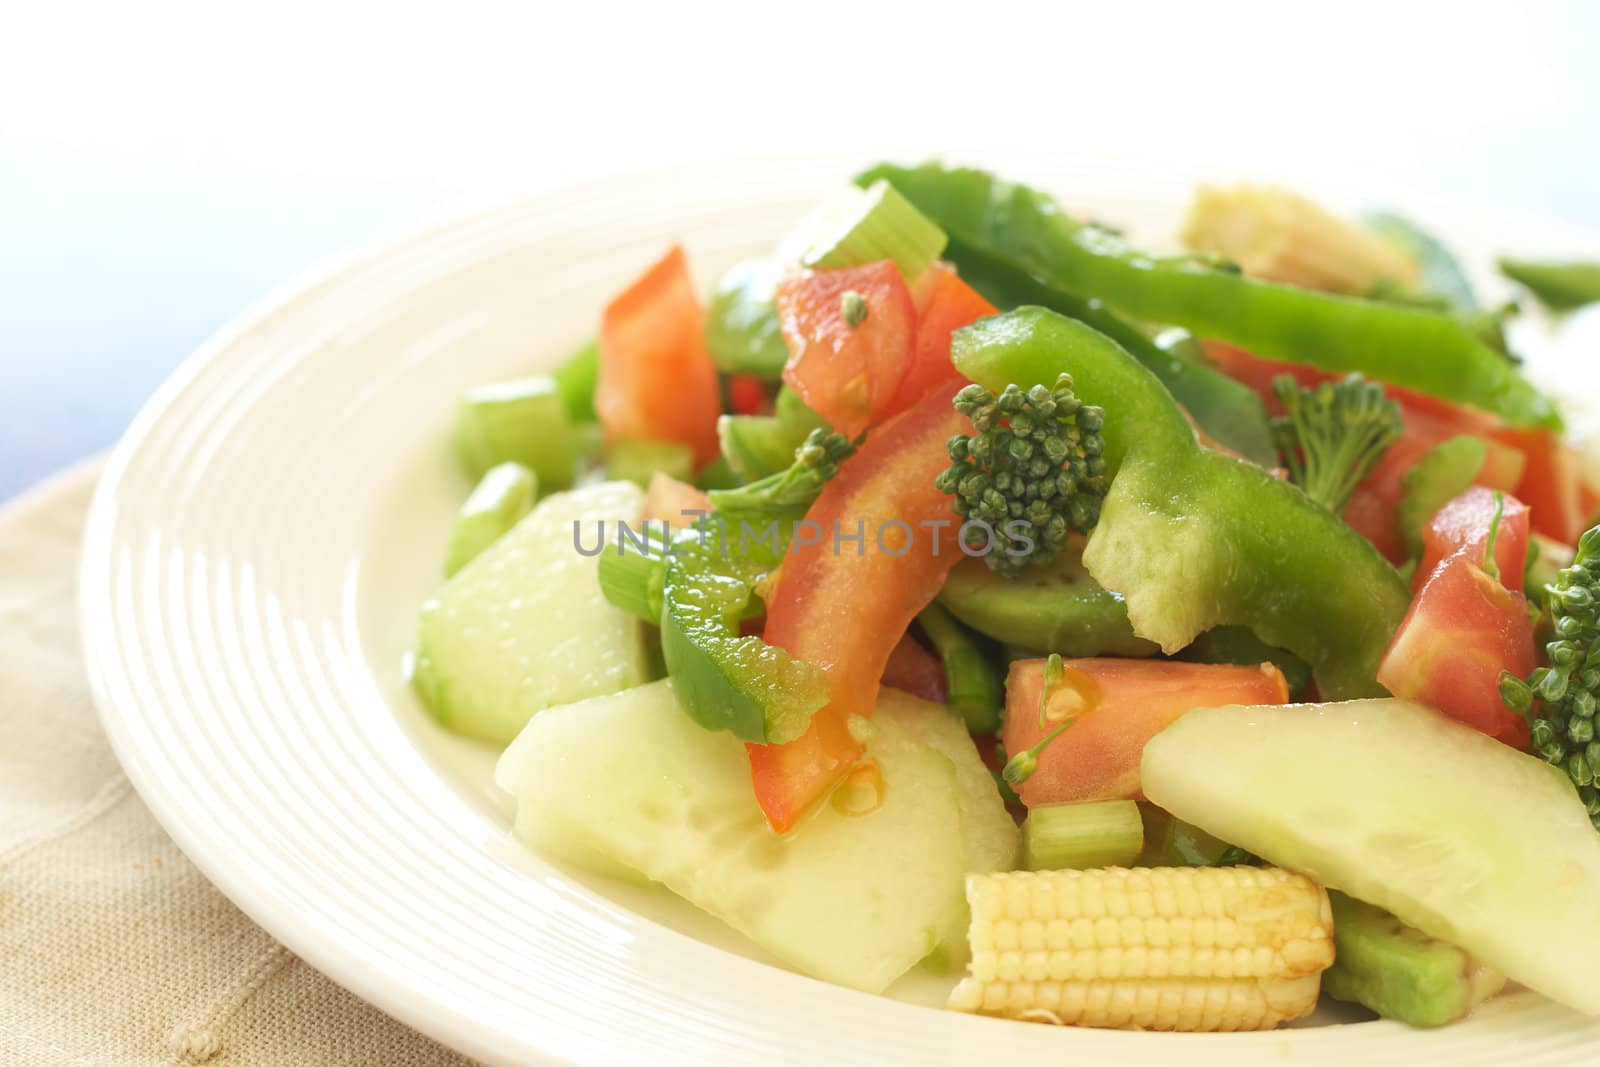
<point>846,611</point>
<point>847,373</point>
<point>1464,627</point>
<point>1463,526</point>
<point>656,380</point>
<point>1550,484</point>
<point>1117,706</point>
<point>944,304</point>
<point>914,669</point>
<point>666,500</point>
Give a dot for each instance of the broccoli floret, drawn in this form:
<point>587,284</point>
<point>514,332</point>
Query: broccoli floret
<point>1332,435</point>
<point>1561,698</point>
<point>1035,460</point>
<point>788,493</point>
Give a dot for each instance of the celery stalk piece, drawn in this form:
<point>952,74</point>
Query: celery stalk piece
<point>1101,833</point>
<point>502,497</point>
<point>523,421</point>
<point>577,379</point>
<point>974,685</point>
<point>631,575</point>
<point>717,475</point>
<point>873,224</point>
<point>1444,472</point>
<point>636,460</point>
<point>756,445</point>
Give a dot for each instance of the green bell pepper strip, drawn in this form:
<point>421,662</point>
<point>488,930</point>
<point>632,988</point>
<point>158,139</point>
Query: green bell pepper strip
<point>1193,538</point>
<point>723,680</point>
<point>1229,411</point>
<point>1418,349</point>
<point>1559,286</point>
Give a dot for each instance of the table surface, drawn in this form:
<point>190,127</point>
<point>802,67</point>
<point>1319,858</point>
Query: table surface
<point>163,172</point>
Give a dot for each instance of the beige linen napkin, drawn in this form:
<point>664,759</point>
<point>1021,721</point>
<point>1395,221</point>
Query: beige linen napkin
<point>114,949</point>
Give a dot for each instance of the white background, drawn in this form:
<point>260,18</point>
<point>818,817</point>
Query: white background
<point>163,164</point>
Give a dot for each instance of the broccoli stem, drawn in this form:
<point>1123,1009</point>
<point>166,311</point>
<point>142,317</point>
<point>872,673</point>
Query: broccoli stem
<point>788,493</point>
<point>974,685</point>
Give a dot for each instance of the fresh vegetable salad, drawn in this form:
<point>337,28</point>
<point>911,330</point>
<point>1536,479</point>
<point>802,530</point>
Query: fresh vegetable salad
<point>1147,641</point>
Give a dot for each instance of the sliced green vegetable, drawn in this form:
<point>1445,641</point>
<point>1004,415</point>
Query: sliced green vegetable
<point>717,475</point>
<point>1103,833</point>
<point>742,331</point>
<point>974,686</point>
<point>1058,607</point>
<point>1229,411</point>
<point>1400,972</point>
<point>756,445</point>
<point>577,379</point>
<point>1547,557</point>
<point>1445,472</point>
<point>872,224</point>
<point>1239,645</point>
<point>1417,349</point>
<point>1175,843</point>
<point>1194,538</point>
<point>502,497</point>
<point>1442,273</point>
<point>723,680</point>
<point>793,413</point>
<point>522,421</point>
<point>1559,286</point>
<point>632,573</point>
<point>636,460</point>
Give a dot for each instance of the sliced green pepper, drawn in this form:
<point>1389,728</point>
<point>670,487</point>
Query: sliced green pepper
<point>1415,348</point>
<point>1229,411</point>
<point>1560,286</point>
<point>1193,538</point>
<point>726,681</point>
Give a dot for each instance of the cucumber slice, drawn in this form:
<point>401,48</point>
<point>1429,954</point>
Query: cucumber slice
<point>525,626</point>
<point>855,899</point>
<point>500,500</point>
<point>1058,608</point>
<point>524,422</point>
<point>1461,836</point>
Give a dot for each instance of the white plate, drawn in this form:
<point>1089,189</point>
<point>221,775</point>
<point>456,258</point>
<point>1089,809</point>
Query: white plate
<point>253,565</point>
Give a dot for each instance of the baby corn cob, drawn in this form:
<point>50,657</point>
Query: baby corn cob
<point>1153,948</point>
<point>1280,237</point>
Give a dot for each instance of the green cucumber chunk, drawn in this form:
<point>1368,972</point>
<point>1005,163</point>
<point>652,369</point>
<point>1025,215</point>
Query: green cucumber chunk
<point>1400,972</point>
<point>1445,472</point>
<point>974,685</point>
<point>524,626</point>
<point>499,501</point>
<point>876,223</point>
<point>577,379</point>
<point>855,895</point>
<point>1101,833</point>
<point>1457,834</point>
<point>523,421</point>
<point>636,460</point>
<point>742,331</point>
<point>1058,608</point>
<point>756,445</point>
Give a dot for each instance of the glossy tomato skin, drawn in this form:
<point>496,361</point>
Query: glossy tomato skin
<point>656,380</point>
<point>1126,702</point>
<point>1550,484</point>
<point>845,609</point>
<point>944,304</point>
<point>1463,525</point>
<point>847,373</point>
<point>1464,627</point>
